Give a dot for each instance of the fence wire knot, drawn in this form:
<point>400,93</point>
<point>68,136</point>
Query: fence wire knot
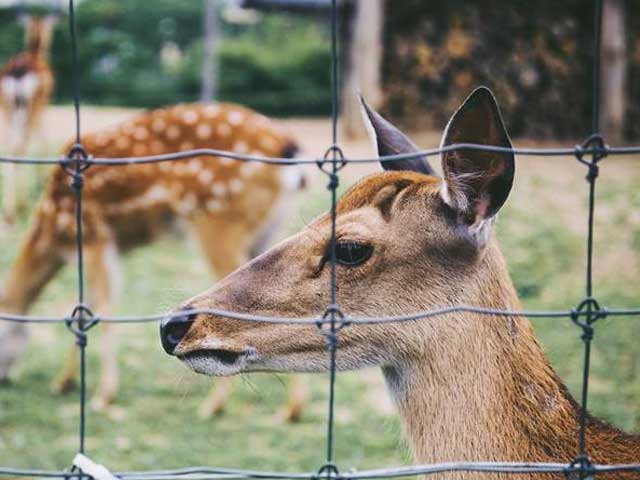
<point>590,309</point>
<point>334,156</point>
<point>80,322</point>
<point>334,317</point>
<point>595,146</point>
<point>76,161</point>
<point>328,471</point>
<point>583,467</point>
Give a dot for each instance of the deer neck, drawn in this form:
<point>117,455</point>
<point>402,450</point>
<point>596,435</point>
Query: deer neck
<point>483,389</point>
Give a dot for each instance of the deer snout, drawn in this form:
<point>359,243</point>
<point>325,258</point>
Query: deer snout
<point>174,329</point>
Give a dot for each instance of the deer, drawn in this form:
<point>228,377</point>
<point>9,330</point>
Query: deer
<point>26,85</point>
<point>231,207</point>
<point>467,387</point>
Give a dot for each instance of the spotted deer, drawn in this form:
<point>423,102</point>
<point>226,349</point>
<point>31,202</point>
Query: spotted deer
<point>26,85</point>
<point>231,207</point>
<point>468,387</point>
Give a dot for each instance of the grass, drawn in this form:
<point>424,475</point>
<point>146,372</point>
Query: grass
<point>154,423</point>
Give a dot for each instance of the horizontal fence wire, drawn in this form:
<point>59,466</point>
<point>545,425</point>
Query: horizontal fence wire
<point>212,473</point>
<point>590,153</point>
<point>346,319</point>
<point>576,152</point>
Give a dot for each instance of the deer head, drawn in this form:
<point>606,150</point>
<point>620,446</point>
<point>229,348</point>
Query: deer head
<point>467,387</point>
<point>407,240</point>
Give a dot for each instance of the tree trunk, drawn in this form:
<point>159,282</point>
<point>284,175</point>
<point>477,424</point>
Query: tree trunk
<point>363,65</point>
<point>613,70</point>
<point>209,66</point>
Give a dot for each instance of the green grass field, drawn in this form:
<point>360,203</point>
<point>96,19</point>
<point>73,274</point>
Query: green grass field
<point>154,422</point>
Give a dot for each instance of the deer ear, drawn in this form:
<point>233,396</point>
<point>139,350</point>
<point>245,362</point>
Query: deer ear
<point>388,140</point>
<point>477,183</point>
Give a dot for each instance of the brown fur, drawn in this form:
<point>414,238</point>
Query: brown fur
<point>226,203</point>
<point>468,387</point>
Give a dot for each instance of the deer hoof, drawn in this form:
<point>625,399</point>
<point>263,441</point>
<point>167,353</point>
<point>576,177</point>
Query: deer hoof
<point>63,385</point>
<point>293,414</point>
<point>100,404</point>
<point>207,410</point>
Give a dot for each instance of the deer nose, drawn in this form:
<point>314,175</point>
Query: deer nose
<point>173,329</point>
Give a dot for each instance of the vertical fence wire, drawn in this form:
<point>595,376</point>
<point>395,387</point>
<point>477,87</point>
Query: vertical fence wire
<point>78,158</point>
<point>589,303</point>
<point>332,338</point>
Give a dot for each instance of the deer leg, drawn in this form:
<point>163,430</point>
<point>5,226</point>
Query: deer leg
<point>298,394</point>
<point>37,262</point>
<point>9,192</point>
<point>102,273</point>
<point>15,337</point>
<point>225,247</point>
<point>65,380</point>
<point>217,398</point>
<point>104,279</point>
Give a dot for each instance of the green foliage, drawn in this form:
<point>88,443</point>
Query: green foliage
<point>279,66</point>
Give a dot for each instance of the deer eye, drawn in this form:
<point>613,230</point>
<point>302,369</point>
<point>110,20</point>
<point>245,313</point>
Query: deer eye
<point>350,253</point>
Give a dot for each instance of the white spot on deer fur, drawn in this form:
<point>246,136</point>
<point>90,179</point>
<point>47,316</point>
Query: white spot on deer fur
<point>195,165</point>
<point>188,203</point>
<point>139,149</point>
<point>268,142</point>
<point>63,220</point>
<point>214,205</point>
<point>205,177</point>
<point>186,146</point>
<point>141,134</point>
<point>235,185</point>
<point>190,117</point>
<point>102,140</point>
<point>156,147</point>
<point>247,169</point>
<point>96,182</point>
<point>224,130</point>
<point>226,161</point>
<point>157,193</point>
<point>173,132</point>
<point>123,143</point>
<point>165,166</point>
<point>235,117</point>
<point>158,125</point>
<point>240,147</point>
<point>203,131</point>
<point>211,111</point>
<point>128,127</point>
<point>47,206</point>
<point>219,189</point>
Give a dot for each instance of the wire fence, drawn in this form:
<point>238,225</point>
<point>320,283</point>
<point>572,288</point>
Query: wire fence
<point>584,315</point>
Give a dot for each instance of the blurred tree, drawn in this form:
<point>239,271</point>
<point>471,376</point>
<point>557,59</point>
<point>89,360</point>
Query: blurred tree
<point>538,62</point>
<point>146,54</point>
<point>209,63</point>
<point>613,70</point>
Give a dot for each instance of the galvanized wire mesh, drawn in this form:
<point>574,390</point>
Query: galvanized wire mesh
<point>588,311</point>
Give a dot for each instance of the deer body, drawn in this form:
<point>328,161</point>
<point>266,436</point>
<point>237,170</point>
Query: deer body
<point>227,204</point>
<point>26,85</point>
<point>468,387</point>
